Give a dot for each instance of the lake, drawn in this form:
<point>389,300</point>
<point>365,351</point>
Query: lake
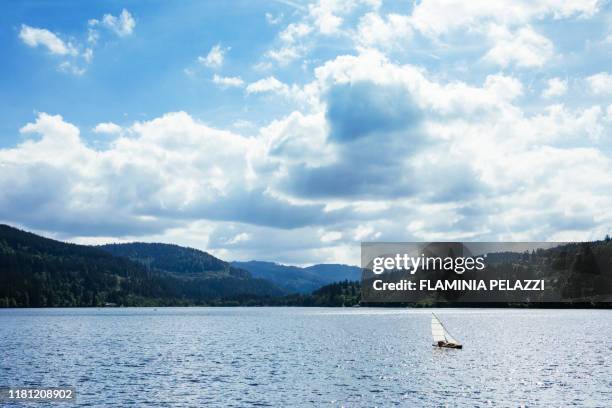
<point>310,356</point>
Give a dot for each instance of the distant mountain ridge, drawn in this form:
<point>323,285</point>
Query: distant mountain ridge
<point>42,272</point>
<point>184,261</point>
<point>294,279</point>
<point>175,259</point>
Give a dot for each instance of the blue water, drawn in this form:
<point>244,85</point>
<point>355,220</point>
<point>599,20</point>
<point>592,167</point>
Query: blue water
<point>310,357</point>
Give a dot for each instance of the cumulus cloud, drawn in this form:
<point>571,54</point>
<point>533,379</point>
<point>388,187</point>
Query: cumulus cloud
<point>504,87</point>
<point>298,138</point>
<point>326,15</point>
<point>387,33</point>
<point>293,32</point>
<point>227,82</point>
<point>458,157</point>
<point>437,160</point>
<point>109,128</point>
<point>368,146</point>
<point>438,17</point>
<point>34,37</point>
<point>286,54</point>
<point>601,83</point>
<point>320,18</point>
<point>291,40</point>
<point>79,55</point>
<point>385,140</point>
<point>291,46</point>
<point>450,98</point>
<point>555,87</point>
<point>269,84</point>
<point>122,25</point>
<point>525,48</point>
<point>506,26</point>
<point>214,58</point>
<point>161,173</point>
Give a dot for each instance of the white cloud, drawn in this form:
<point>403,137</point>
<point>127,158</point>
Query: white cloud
<point>61,141</point>
<point>235,82</point>
<point>286,54</point>
<point>524,48</point>
<point>450,98</point>
<point>39,36</point>
<point>322,18</point>
<point>487,166</point>
<point>330,236</point>
<point>122,25</point>
<point>514,41</point>
<point>363,232</point>
<point>165,165</point>
<point>555,87</point>
<point>479,123</point>
<point>294,31</point>
<point>438,17</point>
<point>214,58</point>
<point>269,84</point>
<point>505,87</point>
<point>298,138</point>
<point>325,14</point>
<point>158,174</point>
<point>558,124</point>
<point>291,39</point>
<point>174,175</point>
<point>242,237</point>
<point>107,128</point>
<point>386,33</point>
<point>601,83</point>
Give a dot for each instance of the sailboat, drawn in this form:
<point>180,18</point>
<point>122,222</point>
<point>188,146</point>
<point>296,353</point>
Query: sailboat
<point>441,336</point>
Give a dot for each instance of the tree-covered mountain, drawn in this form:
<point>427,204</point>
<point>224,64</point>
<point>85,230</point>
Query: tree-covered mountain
<point>176,259</point>
<point>300,280</point>
<point>38,272</point>
<point>41,272</point>
<point>180,260</point>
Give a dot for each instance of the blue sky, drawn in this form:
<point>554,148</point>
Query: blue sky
<point>291,131</point>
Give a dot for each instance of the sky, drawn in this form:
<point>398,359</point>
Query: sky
<point>291,131</point>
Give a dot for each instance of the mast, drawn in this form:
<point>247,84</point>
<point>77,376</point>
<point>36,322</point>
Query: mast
<point>439,332</point>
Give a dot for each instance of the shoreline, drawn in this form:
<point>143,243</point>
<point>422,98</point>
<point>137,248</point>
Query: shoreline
<point>552,306</point>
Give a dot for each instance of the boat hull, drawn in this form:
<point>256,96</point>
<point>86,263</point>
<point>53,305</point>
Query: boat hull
<point>449,345</point>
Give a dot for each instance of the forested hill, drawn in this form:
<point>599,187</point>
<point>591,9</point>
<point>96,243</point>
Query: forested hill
<point>301,280</point>
<point>37,272</point>
<point>175,259</point>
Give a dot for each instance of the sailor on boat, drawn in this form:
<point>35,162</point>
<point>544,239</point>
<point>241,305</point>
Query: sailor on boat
<point>442,338</point>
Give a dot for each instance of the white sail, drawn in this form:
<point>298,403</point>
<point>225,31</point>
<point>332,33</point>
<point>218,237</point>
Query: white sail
<point>439,333</point>
<point>437,330</point>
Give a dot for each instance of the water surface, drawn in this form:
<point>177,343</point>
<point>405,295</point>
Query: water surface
<point>310,356</point>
